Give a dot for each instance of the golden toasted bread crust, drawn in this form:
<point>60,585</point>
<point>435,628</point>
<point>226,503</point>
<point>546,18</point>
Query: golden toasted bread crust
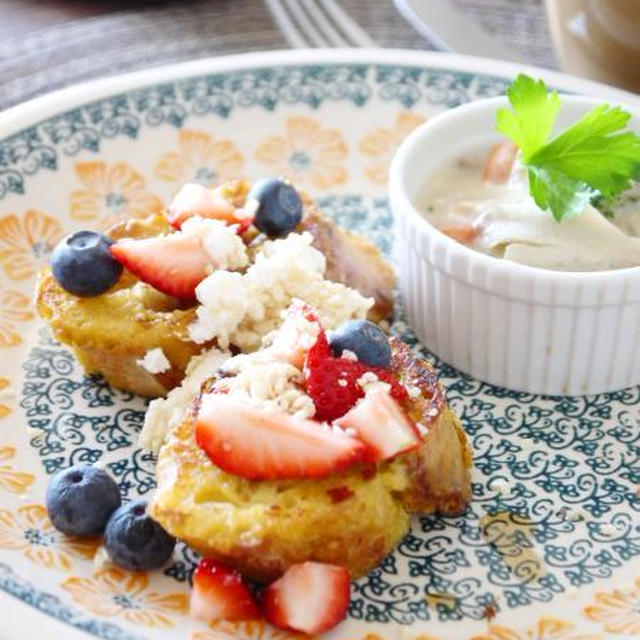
<point>109,333</point>
<point>352,260</point>
<point>352,519</point>
<point>439,470</point>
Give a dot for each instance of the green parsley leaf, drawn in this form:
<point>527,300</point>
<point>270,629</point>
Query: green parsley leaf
<point>534,112</point>
<point>551,189</point>
<point>592,151</point>
<point>593,157</point>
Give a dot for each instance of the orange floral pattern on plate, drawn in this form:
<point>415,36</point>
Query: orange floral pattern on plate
<point>381,144</point>
<point>246,630</point>
<point>5,388</point>
<point>545,629</point>
<point>619,610</point>
<point>10,479</point>
<point>115,592</point>
<point>111,193</point>
<point>29,530</point>
<point>307,154</point>
<point>14,310</point>
<point>200,158</point>
<point>26,242</point>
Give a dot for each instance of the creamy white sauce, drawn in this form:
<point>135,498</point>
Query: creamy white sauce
<point>508,223</point>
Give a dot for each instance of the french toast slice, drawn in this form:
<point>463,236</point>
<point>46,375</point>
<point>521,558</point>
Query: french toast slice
<point>352,519</point>
<point>111,332</point>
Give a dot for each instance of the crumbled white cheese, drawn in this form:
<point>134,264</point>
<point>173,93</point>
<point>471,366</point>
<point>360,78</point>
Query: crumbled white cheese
<point>164,414</point>
<point>413,391</point>
<point>369,381</point>
<point>220,241</point>
<point>501,486</point>
<point>226,302</point>
<point>349,355</point>
<point>242,309</point>
<point>154,361</point>
<point>295,337</point>
<point>268,384</point>
<point>342,382</point>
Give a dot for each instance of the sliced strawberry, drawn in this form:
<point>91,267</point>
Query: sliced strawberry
<point>382,425</point>
<point>332,382</point>
<point>174,264</point>
<point>310,597</point>
<point>243,440</point>
<point>195,200</point>
<point>219,594</point>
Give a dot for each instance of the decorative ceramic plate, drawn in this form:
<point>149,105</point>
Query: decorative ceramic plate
<point>549,548</point>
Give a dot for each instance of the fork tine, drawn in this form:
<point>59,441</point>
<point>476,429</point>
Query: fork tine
<point>351,29</point>
<point>286,25</point>
<point>305,25</point>
<point>317,23</point>
<point>320,19</point>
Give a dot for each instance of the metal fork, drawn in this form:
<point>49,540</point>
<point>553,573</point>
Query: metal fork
<point>317,23</point>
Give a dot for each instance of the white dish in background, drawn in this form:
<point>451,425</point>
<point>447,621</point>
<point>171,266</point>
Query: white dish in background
<point>535,458</point>
<point>512,325</point>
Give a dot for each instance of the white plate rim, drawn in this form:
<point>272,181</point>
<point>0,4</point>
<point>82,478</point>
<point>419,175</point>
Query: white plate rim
<point>43,107</point>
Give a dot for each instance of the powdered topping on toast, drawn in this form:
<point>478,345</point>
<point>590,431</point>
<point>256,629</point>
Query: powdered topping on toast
<point>240,309</point>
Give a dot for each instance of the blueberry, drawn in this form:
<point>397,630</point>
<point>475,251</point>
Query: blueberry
<point>134,541</point>
<point>83,265</point>
<point>278,206</point>
<point>365,339</point>
<point>81,499</point>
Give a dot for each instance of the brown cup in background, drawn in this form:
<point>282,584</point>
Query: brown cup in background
<point>598,39</point>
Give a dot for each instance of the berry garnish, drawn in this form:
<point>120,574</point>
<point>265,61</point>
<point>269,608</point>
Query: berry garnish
<point>278,207</point>
<point>196,200</point>
<point>368,341</point>
<point>81,499</point>
<point>310,597</point>
<point>174,264</point>
<point>333,384</point>
<point>245,441</point>
<point>382,425</point>
<point>82,264</point>
<point>134,541</point>
<point>220,594</point>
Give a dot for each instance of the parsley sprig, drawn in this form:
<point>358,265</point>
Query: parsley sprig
<point>594,157</point>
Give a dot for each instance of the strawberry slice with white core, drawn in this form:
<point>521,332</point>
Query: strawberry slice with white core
<point>244,440</point>
<point>220,594</point>
<point>382,425</point>
<point>310,597</point>
<point>195,200</point>
<point>174,264</point>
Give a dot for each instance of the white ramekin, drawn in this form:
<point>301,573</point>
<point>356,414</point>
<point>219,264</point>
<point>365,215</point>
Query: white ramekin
<point>519,327</point>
